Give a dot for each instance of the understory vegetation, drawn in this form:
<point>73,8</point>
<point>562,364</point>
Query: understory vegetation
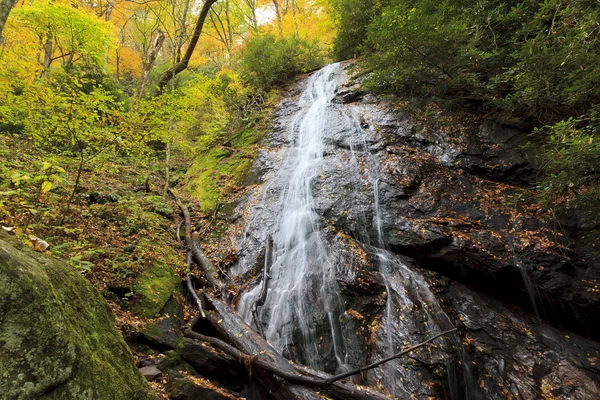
<point>533,65</point>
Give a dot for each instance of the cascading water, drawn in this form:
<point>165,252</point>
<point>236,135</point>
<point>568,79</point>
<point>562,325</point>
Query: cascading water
<point>303,306</point>
<point>303,298</point>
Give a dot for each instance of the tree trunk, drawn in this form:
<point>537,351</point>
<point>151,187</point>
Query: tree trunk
<point>5,7</point>
<point>229,27</point>
<point>279,17</point>
<point>253,19</point>
<point>48,50</point>
<point>168,163</point>
<point>109,9</point>
<point>183,64</point>
<point>149,63</point>
<point>295,18</point>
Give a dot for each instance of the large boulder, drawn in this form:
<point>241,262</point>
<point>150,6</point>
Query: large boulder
<point>57,334</point>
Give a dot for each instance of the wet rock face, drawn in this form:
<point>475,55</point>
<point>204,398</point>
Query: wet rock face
<point>508,352</point>
<point>416,225</point>
<point>57,334</point>
<point>455,201</point>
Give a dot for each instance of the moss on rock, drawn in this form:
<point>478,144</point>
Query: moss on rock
<point>218,171</point>
<point>57,334</point>
<point>158,281</point>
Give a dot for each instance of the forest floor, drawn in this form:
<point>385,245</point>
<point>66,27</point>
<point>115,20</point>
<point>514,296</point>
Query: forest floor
<point>119,230</point>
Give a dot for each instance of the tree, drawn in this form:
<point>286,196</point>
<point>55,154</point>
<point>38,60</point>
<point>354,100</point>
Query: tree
<point>183,64</point>
<point>150,60</point>
<point>74,116</point>
<point>66,34</point>
<point>5,7</point>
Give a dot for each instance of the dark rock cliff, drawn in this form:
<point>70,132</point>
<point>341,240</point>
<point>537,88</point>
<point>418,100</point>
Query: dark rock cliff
<point>461,244</point>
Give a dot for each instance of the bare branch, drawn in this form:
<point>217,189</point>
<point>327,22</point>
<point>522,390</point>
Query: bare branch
<point>385,360</point>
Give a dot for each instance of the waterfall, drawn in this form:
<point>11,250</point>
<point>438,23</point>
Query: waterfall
<point>303,297</point>
<point>301,315</point>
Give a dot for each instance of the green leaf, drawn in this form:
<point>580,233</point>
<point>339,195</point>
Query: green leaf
<point>46,187</point>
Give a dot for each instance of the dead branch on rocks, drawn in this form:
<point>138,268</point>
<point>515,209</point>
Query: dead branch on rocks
<point>385,360</point>
<point>192,244</point>
<point>190,285</point>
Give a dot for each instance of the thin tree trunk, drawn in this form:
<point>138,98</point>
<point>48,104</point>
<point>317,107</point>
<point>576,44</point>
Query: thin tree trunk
<point>253,19</point>
<point>168,163</point>
<point>109,9</point>
<point>118,54</point>
<point>5,7</point>
<point>279,18</point>
<point>149,63</point>
<point>183,64</point>
<point>48,50</point>
<point>180,33</point>
<point>76,185</point>
<point>295,19</point>
<point>229,28</point>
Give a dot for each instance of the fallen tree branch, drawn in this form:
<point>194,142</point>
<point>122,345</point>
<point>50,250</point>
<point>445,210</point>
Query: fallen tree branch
<point>296,376</point>
<point>179,231</point>
<point>241,336</point>
<point>385,360</point>
<point>257,362</point>
<point>190,286</point>
<point>191,242</point>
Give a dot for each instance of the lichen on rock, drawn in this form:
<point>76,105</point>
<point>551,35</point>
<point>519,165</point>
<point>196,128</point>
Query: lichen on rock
<point>57,334</point>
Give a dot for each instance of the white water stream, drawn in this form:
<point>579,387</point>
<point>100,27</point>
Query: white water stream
<point>304,304</point>
<point>303,294</point>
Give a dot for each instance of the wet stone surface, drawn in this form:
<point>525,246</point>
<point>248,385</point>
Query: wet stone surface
<point>415,233</point>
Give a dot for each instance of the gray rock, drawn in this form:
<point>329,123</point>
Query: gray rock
<point>185,389</point>
<point>151,372</point>
<point>451,201</point>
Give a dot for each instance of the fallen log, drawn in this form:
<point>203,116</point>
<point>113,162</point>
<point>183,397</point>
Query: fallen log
<point>192,244</point>
<point>230,325</point>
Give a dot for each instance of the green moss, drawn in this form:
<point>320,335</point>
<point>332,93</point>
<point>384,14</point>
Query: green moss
<point>57,334</point>
<point>158,281</point>
<point>217,172</point>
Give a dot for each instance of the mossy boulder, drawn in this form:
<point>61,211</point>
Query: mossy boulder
<point>159,281</point>
<point>57,334</point>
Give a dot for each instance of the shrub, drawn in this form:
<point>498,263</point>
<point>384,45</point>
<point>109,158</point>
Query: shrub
<point>269,62</point>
